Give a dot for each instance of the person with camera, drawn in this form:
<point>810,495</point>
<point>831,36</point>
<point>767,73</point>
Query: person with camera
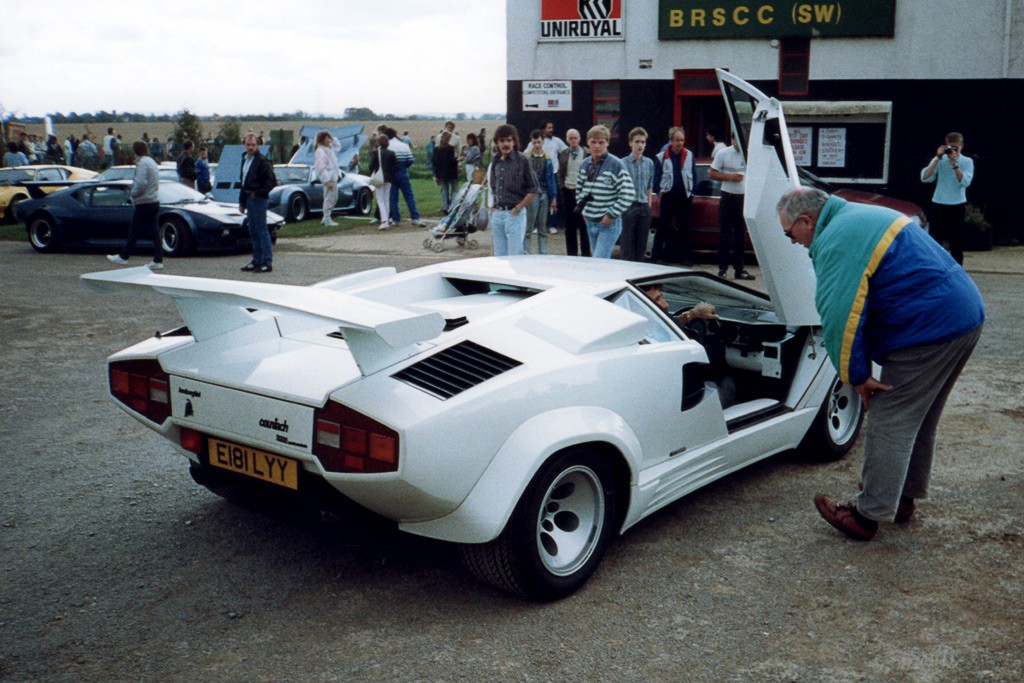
<point>604,192</point>
<point>952,172</point>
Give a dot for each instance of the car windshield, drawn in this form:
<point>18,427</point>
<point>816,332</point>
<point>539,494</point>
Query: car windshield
<point>176,193</point>
<point>9,176</point>
<point>126,173</point>
<point>808,179</point>
<point>704,185</point>
<point>686,291</point>
<point>287,175</point>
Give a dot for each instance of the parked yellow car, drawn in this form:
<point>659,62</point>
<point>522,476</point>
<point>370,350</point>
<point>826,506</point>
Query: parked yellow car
<point>11,192</point>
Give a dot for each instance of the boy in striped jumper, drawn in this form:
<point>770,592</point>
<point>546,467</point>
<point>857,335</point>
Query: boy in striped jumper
<point>606,191</point>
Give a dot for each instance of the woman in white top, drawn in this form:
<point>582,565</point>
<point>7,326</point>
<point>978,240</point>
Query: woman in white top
<point>325,163</point>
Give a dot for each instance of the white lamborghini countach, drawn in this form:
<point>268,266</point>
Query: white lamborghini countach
<point>525,408</point>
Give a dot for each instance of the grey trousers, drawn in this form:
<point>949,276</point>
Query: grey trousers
<point>901,426</point>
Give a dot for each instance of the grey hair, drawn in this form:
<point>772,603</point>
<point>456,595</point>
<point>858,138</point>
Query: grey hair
<point>801,200</point>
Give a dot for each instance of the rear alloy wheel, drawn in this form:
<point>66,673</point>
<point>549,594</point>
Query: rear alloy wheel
<point>298,208</point>
<point>175,236</point>
<point>42,233</point>
<point>364,202</point>
<point>557,534</point>
<point>836,426</point>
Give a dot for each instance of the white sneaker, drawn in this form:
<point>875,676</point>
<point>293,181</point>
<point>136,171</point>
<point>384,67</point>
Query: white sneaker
<point>535,231</point>
<point>116,258</point>
<point>383,226</point>
<point>553,231</point>
<point>328,221</point>
<point>419,224</point>
<point>154,265</point>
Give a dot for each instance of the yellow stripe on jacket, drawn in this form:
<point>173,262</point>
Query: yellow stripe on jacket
<point>859,301</point>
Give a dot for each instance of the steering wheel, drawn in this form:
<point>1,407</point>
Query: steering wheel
<point>708,333</point>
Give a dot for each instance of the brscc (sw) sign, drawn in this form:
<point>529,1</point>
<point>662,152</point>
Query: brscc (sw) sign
<point>564,20</point>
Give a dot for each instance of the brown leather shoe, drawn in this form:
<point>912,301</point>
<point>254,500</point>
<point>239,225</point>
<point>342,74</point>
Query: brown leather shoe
<point>905,510</point>
<point>842,518</point>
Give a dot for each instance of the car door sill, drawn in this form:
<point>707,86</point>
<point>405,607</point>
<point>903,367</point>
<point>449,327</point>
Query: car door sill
<point>744,415</point>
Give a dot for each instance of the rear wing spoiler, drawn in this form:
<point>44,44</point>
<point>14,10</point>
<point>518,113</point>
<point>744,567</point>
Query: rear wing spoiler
<point>377,335</point>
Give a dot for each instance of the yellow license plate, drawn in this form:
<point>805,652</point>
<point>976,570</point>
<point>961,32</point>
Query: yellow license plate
<point>269,467</point>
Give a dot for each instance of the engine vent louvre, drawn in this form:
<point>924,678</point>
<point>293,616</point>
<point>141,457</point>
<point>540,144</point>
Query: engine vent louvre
<point>456,369</point>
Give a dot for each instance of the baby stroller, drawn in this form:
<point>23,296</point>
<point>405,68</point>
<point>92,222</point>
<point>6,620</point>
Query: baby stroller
<point>461,221</point>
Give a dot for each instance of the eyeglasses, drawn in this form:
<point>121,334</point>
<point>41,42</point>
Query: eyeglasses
<point>788,232</point>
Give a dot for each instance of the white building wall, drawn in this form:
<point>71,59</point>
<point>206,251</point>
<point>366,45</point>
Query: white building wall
<point>934,39</point>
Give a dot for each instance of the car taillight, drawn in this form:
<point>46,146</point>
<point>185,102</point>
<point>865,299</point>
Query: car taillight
<point>143,386</point>
<point>347,441</point>
<point>191,440</point>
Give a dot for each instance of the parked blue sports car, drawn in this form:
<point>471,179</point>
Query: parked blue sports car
<point>99,213</point>
<point>300,193</point>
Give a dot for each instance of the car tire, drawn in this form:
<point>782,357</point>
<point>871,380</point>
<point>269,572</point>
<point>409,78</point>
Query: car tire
<point>557,533</point>
<point>43,233</point>
<point>298,208</point>
<point>175,236</point>
<point>836,426</point>
<point>364,202</point>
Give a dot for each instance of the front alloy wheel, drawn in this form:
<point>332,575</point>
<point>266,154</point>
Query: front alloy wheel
<point>364,202</point>
<point>298,208</point>
<point>836,426</point>
<point>175,236</point>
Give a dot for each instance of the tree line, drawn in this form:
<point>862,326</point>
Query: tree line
<point>351,114</point>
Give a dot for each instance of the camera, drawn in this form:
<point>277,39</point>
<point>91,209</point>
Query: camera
<point>949,150</point>
<point>581,205</point>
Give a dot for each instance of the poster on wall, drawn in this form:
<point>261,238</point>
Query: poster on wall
<point>802,139</point>
<point>571,20</point>
<point>831,147</point>
<point>547,95</point>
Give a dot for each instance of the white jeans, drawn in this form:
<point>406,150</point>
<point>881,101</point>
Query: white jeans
<point>330,200</point>
<point>383,201</point>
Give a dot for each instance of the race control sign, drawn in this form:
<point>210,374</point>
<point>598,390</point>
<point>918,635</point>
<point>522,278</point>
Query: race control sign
<point>547,95</point>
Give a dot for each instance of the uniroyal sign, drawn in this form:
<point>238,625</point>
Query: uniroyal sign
<point>562,20</point>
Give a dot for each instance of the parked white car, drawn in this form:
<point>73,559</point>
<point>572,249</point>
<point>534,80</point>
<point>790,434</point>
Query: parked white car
<point>527,408</point>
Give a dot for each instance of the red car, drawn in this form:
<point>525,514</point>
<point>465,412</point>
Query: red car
<point>704,228</point>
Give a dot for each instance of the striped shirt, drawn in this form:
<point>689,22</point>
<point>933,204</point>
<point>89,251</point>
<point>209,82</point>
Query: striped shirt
<point>610,189</point>
<point>641,172</point>
<point>511,180</point>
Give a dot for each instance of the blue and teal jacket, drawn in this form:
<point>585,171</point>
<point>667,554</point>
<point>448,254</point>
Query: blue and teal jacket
<point>885,284</point>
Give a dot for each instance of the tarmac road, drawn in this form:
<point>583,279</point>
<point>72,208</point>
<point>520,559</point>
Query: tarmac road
<point>115,566</point>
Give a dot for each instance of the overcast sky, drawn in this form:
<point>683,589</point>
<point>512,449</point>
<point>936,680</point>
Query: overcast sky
<point>254,57</point>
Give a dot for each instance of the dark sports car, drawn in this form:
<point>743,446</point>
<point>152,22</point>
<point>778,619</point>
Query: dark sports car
<point>300,193</point>
<point>98,214</point>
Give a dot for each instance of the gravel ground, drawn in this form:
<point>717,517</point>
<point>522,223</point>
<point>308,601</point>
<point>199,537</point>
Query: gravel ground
<point>117,567</point>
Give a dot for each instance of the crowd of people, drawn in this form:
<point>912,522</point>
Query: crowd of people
<point>602,200</point>
<point>91,152</point>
